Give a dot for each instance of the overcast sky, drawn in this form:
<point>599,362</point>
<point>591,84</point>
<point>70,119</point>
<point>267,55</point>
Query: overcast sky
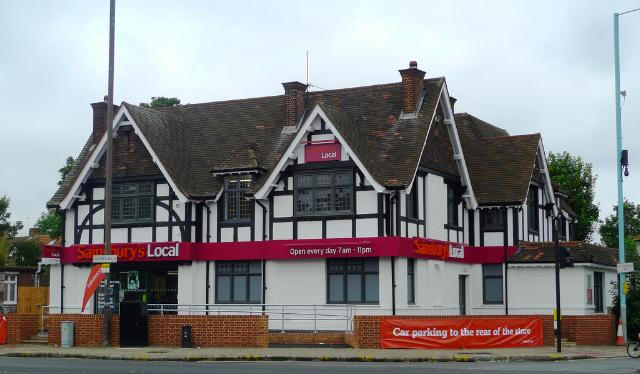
<point>526,66</point>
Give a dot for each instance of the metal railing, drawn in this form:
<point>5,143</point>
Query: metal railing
<point>282,314</point>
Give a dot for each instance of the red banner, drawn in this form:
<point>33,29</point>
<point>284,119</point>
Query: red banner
<point>93,281</point>
<point>468,333</point>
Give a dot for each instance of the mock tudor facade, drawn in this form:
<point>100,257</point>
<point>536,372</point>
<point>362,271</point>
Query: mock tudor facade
<point>379,196</point>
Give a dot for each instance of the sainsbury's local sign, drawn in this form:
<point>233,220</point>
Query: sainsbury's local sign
<point>322,151</point>
<point>128,252</point>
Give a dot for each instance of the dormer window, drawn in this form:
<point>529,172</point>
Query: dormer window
<point>236,206</point>
<point>132,202</point>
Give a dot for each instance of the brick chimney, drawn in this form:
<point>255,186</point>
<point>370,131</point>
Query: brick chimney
<point>293,102</point>
<point>100,119</point>
<point>412,87</point>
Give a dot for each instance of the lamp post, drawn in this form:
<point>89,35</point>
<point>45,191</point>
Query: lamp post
<point>616,51</point>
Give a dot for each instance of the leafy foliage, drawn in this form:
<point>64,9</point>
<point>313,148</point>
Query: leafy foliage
<point>576,178</point>
<point>4,250</point>
<point>26,253</point>
<point>50,223</point>
<point>161,101</point>
<point>609,227</point>
<point>7,228</point>
<point>64,171</point>
<point>633,296</point>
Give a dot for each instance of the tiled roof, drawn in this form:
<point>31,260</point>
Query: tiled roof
<point>500,166</point>
<point>581,252</point>
<point>192,140</point>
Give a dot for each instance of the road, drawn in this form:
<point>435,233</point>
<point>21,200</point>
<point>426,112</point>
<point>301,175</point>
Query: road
<point>63,365</point>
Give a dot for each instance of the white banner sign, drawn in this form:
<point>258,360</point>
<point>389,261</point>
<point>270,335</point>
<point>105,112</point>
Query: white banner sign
<point>104,259</point>
<point>626,267</point>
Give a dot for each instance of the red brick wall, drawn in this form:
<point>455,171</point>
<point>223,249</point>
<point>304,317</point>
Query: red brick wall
<point>21,327</point>
<point>307,337</point>
<point>596,329</point>
<point>367,328</point>
<point>87,329</point>
<point>210,331</point>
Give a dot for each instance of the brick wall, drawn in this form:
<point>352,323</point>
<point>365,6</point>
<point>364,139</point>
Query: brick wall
<point>367,328</point>
<point>596,329</point>
<point>21,327</point>
<point>307,337</point>
<point>87,329</point>
<point>210,331</point>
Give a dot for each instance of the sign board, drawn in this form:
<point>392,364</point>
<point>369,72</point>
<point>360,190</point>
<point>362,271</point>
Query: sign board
<point>456,333</point>
<point>322,151</point>
<point>105,259</point>
<point>50,261</point>
<point>626,267</point>
<point>51,251</point>
<point>101,296</point>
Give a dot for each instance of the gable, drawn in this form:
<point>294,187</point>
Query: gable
<point>130,157</point>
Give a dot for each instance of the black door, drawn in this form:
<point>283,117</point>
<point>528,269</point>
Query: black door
<point>133,324</point>
<point>597,290</point>
<point>462,294</point>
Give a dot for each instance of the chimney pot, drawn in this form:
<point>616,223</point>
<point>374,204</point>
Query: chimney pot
<point>412,87</point>
<point>452,101</point>
<point>294,95</point>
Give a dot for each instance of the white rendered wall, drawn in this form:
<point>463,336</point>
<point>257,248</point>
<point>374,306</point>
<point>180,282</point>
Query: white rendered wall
<point>436,207</point>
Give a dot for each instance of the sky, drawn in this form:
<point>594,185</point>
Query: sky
<point>526,66</point>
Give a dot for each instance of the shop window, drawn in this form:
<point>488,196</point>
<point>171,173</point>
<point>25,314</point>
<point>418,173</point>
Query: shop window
<point>352,281</point>
<point>492,219</point>
<point>411,281</point>
<point>492,283</point>
<point>533,213</point>
<point>412,201</point>
<point>132,202</point>
<point>236,206</point>
<point>325,193</point>
<point>238,282</point>
<point>452,205</point>
<point>11,289</point>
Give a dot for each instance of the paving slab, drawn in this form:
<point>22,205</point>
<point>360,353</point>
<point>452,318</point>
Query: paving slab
<point>315,354</point>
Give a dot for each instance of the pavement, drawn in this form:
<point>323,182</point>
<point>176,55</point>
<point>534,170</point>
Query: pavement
<point>315,354</point>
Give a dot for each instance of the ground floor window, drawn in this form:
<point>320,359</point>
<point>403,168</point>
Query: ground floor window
<point>352,281</point>
<point>11,289</point>
<point>492,283</point>
<point>238,282</point>
<point>598,299</point>
<point>411,283</point>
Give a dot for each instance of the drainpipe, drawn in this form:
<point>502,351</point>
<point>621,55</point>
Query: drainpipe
<point>506,283</point>
<point>207,285</point>
<point>264,263</point>
<point>62,244</point>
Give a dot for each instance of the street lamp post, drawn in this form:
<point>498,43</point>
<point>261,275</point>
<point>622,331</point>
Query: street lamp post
<point>616,48</point>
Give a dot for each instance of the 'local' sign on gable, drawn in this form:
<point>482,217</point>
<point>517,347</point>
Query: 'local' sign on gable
<point>322,151</point>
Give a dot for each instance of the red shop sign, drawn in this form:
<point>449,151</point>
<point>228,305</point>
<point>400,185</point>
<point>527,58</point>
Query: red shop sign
<point>129,252</point>
<point>456,333</point>
<point>322,151</point>
<point>51,251</point>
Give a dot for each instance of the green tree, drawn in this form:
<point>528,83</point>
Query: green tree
<point>50,223</point>
<point>161,101</point>
<point>4,250</point>
<point>576,178</point>
<point>6,227</point>
<point>26,253</point>
<point>609,227</point>
<point>64,171</point>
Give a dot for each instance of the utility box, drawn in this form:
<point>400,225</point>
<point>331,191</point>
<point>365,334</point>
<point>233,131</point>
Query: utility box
<point>66,334</point>
<point>186,337</point>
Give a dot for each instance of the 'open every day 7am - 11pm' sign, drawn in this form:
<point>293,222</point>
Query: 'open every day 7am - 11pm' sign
<point>469,333</point>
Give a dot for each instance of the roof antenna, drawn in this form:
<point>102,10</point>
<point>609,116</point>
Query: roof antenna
<point>307,70</point>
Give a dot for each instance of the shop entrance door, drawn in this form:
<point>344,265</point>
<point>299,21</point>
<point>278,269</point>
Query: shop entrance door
<point>133,324</point>
<point>462,294</point>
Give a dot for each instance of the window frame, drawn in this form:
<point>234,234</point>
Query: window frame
<point>533,211</point>
<point>498,225</point>
<point>345,286</point>
<point>411,281</point>
<point>239,195</point>
<point>118,199</point>
<point>232,274</point>
<point>10,282</point>
<point>412,205</point>
<point>453,201</point>
<point>314,187</point>
<point>485,277</point>
<point>562,233</point>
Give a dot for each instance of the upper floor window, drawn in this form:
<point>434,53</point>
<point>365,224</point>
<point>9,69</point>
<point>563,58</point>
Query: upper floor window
<point>492,219</point>
<point>533,213</point>
<point>236,205</point>
<point>452,205</point>
<point>412,202</point>
<point>132,202</point>
<point>563,228</point>
<point>324,193</point>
